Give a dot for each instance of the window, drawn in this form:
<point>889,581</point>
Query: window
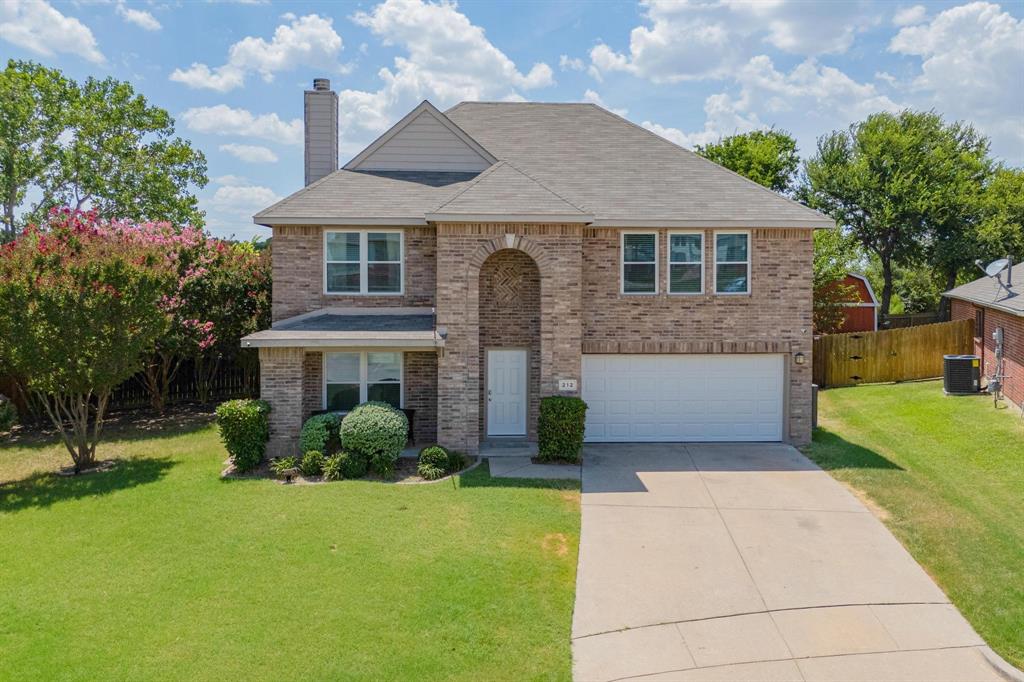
<point>354,378</point>
<point>362,262</point>
<point>686,263</point>
<point>732,262</point>
<point>639,263</point>
<point>979,323</point>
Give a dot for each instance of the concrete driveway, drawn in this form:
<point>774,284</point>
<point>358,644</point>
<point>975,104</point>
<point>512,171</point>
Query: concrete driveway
<point>746,561</point>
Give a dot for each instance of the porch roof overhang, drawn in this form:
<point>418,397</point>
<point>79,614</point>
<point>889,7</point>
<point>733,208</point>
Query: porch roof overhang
<point>389,327</point>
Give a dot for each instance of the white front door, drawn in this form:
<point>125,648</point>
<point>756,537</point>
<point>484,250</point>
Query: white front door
<point>506,393</point>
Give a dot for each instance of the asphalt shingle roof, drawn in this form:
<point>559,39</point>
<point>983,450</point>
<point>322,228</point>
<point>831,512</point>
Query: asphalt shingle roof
<point>600,164</point>
<point>503,189</point>
<point>987,292</point>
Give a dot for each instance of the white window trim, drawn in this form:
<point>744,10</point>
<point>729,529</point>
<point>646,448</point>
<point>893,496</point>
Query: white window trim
<point>750,249</point>
<point>669,263</point>
<point>622,264</point>
<point>364,261</point>
<point>363,375</point>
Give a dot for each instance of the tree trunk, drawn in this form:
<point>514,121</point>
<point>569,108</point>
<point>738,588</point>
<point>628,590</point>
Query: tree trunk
<point>883,305</point>
<point>945,306</point>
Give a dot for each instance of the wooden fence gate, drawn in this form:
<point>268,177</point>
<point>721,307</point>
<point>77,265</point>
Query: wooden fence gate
<point>890,355</point>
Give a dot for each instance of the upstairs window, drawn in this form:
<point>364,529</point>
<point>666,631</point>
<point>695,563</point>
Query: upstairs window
<point>732,262</point>
<point>363,262</point>
<point>686,263</point>
<point>639,262</point>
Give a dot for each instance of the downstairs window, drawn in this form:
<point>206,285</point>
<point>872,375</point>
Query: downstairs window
<point>351,378</point>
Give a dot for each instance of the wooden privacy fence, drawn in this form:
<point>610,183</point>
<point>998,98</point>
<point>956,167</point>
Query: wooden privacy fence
<point>890,355</point>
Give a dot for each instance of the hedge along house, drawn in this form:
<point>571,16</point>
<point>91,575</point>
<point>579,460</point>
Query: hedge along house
<point>469,262</point>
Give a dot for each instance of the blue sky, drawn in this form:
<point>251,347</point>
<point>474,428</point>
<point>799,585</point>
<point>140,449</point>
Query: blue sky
<point>232,73</point>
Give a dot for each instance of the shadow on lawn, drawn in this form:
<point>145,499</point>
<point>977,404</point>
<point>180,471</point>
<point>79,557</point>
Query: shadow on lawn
<point>45,489</point>
<point>123,426</point>
<point>480,477</point>
<point>831,451</point>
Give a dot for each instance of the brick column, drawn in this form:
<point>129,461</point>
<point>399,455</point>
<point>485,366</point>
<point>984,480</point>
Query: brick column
<point>561,316</point>
<point>281,386</point>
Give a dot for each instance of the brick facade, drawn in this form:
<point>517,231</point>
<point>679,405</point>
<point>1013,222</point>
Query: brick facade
<point>281,384</point>
<point>776,317</point>
<point>509,315</point>
<point>298,270</point>
<point>573,274</point>
<point>985,345</point>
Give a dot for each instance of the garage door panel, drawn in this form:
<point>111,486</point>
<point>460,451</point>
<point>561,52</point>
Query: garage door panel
<point>683,397</point>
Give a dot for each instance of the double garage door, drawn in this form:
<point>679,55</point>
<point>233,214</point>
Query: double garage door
<point>680,398</point>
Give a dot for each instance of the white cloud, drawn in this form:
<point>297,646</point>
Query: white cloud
<point>35,25</point>
<point>233,180</point>
<point>140,18</point>
<point>224,120</point>
<point>971,59</point>
<point>242,201</point>
<point>250,153</point>
<point>447,59</point>
<point>910,15</point>
<point>567,63</point>
<point>309,41</point>
<point>693,41</point>
<point>595,98</point>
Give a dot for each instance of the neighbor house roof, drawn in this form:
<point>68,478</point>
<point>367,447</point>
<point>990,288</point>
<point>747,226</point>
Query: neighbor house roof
<point>353,327</point>
<point>609,170</point>
<point>987,292</point>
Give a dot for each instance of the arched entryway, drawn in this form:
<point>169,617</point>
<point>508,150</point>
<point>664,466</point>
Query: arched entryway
<point>509,348</point>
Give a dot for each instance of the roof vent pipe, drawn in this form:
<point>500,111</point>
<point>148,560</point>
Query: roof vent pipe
<point>320,112</point>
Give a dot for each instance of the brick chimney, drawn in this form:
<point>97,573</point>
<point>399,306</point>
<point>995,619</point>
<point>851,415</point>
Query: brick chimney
<point>320,109</point>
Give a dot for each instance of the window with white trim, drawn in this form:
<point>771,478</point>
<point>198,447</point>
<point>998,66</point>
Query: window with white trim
<point>639,262</point>
<point>686,262</point>
<point>732,262</point>
<point>363,262</point>
<point>351,378</point>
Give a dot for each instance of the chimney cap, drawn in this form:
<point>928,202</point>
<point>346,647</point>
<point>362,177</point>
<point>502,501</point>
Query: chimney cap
<point>321,84</point>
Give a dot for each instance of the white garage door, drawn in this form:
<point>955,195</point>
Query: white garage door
<point>678,398</point>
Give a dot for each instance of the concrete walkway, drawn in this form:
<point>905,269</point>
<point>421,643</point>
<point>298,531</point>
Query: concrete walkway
<point>747,562</point>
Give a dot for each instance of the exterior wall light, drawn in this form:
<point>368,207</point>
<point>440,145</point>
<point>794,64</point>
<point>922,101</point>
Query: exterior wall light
<point>799,358</point>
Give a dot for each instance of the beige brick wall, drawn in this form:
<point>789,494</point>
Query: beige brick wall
<point>774,317</point>
<point>464,248</point>
<point>510,318</point>
<point>281,385</point>
<point>298,269</point>
<point>420,393</point>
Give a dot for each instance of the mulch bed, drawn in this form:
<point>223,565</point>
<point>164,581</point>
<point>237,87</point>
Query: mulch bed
<point>97,468</point>
<point>405,473</point>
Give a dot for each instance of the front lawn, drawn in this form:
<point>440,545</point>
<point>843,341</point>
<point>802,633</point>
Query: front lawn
<point>158,569</point>
<point>947,476</point>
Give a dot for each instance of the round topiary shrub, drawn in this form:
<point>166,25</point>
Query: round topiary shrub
<point>312,463</point>
<point>378,432</point>
<point>433,462</point>
<point>320,433</point>
<point>244,429</point>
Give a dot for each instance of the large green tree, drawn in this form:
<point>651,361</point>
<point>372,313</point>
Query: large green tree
<point>768,157</point>
<point>906,186</point>
<point>96,145</point>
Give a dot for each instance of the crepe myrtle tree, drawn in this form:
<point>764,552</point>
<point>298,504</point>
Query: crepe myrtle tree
<point>79,310</point>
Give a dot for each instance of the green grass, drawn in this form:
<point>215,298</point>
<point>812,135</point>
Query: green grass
<point>947,474</point>
<point>160,570</point>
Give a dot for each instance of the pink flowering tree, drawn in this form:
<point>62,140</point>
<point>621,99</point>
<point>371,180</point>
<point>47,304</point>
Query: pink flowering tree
<point>79,312</point>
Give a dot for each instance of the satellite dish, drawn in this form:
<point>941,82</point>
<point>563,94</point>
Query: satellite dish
<point>996,266</point>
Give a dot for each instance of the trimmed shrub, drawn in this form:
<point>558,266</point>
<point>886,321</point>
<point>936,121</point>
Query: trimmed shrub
<point>312,463</point>
<point>354,465</point>
<point>376,431</point>
<point>244,430</point>
<point>333,469</point>
<point>560,428</point>
<point>320,433</point>
<point>8,414</point>
<point>457,461</point>
<point>433,462</point>
<point>279,465</point>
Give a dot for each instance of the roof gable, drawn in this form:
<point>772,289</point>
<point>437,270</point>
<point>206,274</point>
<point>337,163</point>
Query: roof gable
<point>503,191</point>
<point>425,140</point>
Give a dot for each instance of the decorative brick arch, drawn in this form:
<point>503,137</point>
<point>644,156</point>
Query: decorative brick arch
<point>509,241</point>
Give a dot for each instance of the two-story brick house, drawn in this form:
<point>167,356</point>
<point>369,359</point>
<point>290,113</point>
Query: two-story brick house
<point>469,262</point>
